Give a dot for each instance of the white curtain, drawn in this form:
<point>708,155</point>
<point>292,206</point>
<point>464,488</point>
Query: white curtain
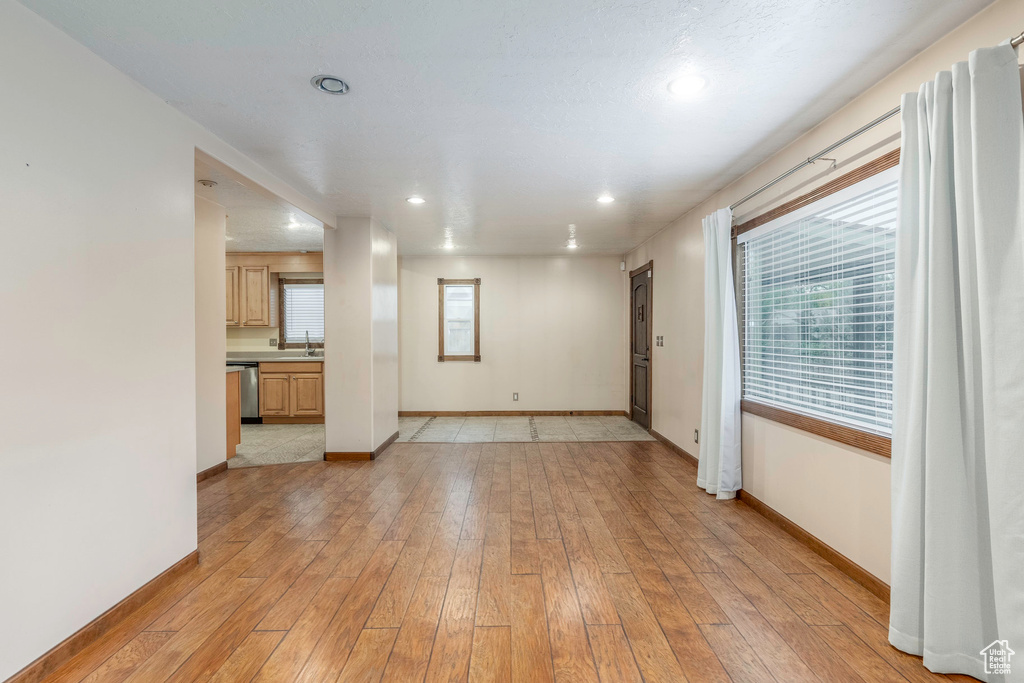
<point>718,468</point>
<point>958,428</point>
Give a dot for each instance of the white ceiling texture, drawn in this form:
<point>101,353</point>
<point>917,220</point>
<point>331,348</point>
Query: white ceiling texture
<point>258,220</point>
<point>509,118</point>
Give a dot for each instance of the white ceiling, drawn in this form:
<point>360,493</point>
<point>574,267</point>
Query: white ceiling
<point>509,117</point>
<point>256,219</point>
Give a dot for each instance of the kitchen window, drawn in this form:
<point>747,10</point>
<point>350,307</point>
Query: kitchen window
<point>302,312</point>
<point>458,336</point>
<point>817,313</point>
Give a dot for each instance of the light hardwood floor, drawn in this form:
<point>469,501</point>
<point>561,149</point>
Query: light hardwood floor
<point>495,562</point>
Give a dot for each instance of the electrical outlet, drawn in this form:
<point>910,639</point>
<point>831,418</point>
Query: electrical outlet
<point>515,395</point>
<point>273,342</point>
<point>696,436</point>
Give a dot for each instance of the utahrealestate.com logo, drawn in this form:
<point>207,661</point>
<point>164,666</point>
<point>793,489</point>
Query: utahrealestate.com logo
<point>997,657</point>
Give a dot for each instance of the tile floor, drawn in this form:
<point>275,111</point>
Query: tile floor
<point>277,444</point>
<point>525,429</point>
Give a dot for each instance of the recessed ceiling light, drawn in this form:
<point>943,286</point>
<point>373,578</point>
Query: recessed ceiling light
<point>606,199</point>
<point>687,86</point>
<point>416,200</point>
<point>332,85</point>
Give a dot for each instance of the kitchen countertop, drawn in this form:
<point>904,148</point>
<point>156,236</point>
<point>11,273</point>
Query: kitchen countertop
<point>273,357</point>
<point>234,368</point>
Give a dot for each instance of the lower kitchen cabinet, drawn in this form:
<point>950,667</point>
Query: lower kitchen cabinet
<point>274,394</point>
<point>307,397</point>
<point>291,390</point>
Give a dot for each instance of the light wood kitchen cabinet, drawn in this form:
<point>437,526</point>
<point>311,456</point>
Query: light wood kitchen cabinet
<point>254,295</point>
<point>234,412</point>
<point>291,390</point>
<point>231,289</point>
<point>275,393</point>
<point>307,394</point>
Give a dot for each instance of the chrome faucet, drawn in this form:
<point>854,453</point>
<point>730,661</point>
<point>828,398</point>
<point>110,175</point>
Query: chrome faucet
<point>310,352</point>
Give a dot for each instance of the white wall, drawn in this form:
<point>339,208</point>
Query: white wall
<point>838,493</point>
<point>98,448</point>
<point>384,321</point>
<point>211,405</point>
<point>240,339</point>
<point>551,329</point>
<point>360,380</point>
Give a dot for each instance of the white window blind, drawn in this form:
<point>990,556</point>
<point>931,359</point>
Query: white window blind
<point>303,311</point>
<point>818,308</point>
<point>458,320</point>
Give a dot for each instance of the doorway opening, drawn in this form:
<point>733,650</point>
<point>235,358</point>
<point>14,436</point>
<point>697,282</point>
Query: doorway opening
<point>641,307</point>
<point>263,328</point>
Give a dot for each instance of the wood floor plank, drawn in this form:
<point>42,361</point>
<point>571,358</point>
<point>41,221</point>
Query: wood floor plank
<point>446,538</point>
<point>531,651</point>
<point>695,656</point>
<point>606,551</point>
<point>212,654</point>
<point>248,657</point>
<point>491,661</point>
<point>191,636</point>
<point>454,641</point>
<point>332,650</point>
<point>394,599</point>
<point>570,650</point>
<point>291,654</point>
<point>739,660</point>
<point>411,653</point>
<point>121,664</point>
<point>653,655</point>
<point>528,562</point>
<point>493,603</point>
<point>862,658</point>
<point>595,600</point>
<point>865,628</point>
<point>776,653</point>
<point>613,655</point>
<point>369,655</point>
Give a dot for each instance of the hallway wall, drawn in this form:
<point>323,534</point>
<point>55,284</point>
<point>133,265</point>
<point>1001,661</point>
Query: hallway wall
<point>211,345</point>
<point>552,329</point>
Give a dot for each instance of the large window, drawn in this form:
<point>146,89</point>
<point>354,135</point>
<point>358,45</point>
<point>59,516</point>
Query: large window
<point>458,319</point>
<point>302,312</point>
<point>818,308</point>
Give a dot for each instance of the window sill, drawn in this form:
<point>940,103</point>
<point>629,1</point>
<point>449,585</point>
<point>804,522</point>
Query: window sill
<point>868,441</point>
<point>470,359</point>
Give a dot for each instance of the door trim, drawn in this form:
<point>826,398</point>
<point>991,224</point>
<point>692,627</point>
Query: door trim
<point>649,266</point>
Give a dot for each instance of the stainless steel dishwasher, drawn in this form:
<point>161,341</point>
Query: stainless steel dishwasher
<point>250,381</point>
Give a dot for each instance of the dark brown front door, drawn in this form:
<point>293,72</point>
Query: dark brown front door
<point>640,282</point>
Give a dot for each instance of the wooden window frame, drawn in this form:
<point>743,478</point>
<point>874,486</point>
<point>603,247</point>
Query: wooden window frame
<point>441,356</point>
<point>851,436</point>
<point>281,282</point>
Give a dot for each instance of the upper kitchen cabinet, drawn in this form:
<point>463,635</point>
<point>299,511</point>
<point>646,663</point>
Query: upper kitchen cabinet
<point>251,283</point>
<point>254,295</point>
<point>248,296</point>
<point>231,288</point>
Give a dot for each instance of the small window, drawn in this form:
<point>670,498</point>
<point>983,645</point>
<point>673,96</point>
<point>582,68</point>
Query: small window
<point>818,308</point>
<point>459,320</point>
<point>302,313</point>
